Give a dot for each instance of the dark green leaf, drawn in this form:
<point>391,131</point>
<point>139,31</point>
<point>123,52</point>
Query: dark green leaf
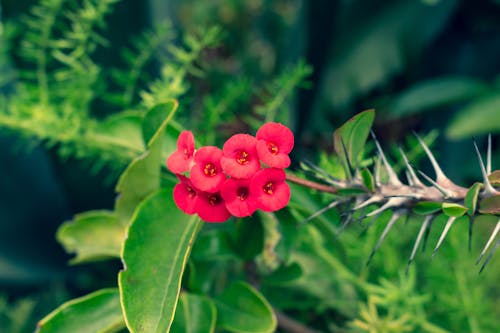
<point>248,240</point>
<point>98,312</point>
<point>452,209</point>
<point>212,245</point>
<point>242,309</point>
<point>426,207</point>
<point>352,135</point>
<point>368,179</point>
<point>471,197</point>
<point>284,275</point>
<point>194,314</point>
<point>490,205</point>
<point>94,235</point>
<point>154,257</point>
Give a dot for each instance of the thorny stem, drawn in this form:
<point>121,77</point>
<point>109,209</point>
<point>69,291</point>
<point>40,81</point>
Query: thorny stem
<point>311,184</point>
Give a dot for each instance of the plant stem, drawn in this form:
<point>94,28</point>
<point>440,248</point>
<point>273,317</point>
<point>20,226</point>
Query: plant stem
<point>310,184</point>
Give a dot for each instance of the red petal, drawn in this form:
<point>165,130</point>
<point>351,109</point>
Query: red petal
<point>211,208</point>
<point>280,160</point>
<point>240,158</point>
<point>177,163</point>
<point>186,141</point>
<point>185,197</point>
<point>280,195</point>
<point>278,134</point>
<point>236,203</point>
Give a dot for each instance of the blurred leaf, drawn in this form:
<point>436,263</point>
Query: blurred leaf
<point>122,129</point>
<point>154,257</point>
<point>426,207</point>
<point>242,309</point>
<point>471,197</point>
<point>481,116</point>
<point>368,179</point>
<point>93,236</point>
<point>284,274</point>
<point>211,246</point>
<point>426,95</point>
<point>453,209</point>
<point>352,136</point>
<point>97,312</point>
<point>494,178</point>
<point>490,205</point>
<point>248,239</point>
<point>194,314</point>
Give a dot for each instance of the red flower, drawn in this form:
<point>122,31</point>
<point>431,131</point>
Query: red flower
<point>275,142</point>
<point>206,174</point>
<point>181,160</point>
<point>185,195</point>
<point>211,207</point>
<point>236,194</point>
<point>270,189</point>
<point>240,158</point>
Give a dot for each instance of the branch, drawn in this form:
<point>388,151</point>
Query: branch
<point>310,184</point>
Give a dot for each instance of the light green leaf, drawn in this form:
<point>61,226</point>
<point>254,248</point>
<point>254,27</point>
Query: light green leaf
<point>453,209</point>
<point>154,257</point>
<point>194,314</point>
<point>480,117</point>
<point>98,312</point>
<point>240,308</point>
<point>426,207</point>
<point>122,129</point>
<point>471,197</point>
<point>436,92</point>
<point>93,236</point>
<point>490,205</point>
<point>352,135</point>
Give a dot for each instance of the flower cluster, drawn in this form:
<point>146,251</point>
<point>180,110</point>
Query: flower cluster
<point>245,175</point>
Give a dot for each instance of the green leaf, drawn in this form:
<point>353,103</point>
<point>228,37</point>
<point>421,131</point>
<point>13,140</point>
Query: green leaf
<point>93,236</point>
<point>453,209</point>
<point>212,245</point>
<point>154,257</point>
<point>122,129</point>
<point>194,314</point>
<point>423,96</point>
<point>471,197</point>
<point>248,240</point>
<point>368,180</point>
<point>97,312</point>
<point>156,120</point>
<point>242,309</point>
<point>490,205</point>
<point>284,275</point>
<point>353,135</point>
<point>426,207</point>
<point>494,178</point>
<point>476,118</point>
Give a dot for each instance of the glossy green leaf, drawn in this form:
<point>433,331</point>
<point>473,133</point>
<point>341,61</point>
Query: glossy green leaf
<point>368,180</point>
<point>423,96</point>
<point>352,135</point>
<point>194,314</point>
<point>242,309</point>
<point>98,312</point>
<point>154,257</point>
<point>490,205</point>
<point>453,209</point>
<point>471,197</point>
<point>426,207</point>
<point>93,236</point>
<point>494,178</point>
<point>480,117</point>
<point>142,176</point>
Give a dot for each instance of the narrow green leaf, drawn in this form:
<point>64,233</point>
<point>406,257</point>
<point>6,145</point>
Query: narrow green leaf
<point>471,197</point>
<point>426,207</point>
<point>490,205</point>
<point>452,209</point>
<point>242,309</point>
<point>93,236</point>
<point>98,312</point>
<point>368,180</point>
<point>154,257</point>
<point>194,314</point>
<point>353,135</point>
<point>494,178</point>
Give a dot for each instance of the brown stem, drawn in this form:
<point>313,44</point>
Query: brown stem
<point>291,325</point>
<point>310,184</point>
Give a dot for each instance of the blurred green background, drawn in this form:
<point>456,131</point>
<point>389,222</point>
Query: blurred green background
<point>423,65</point>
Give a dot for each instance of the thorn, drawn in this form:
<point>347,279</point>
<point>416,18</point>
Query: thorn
<point>427,232</point>
<point>388,227</point>
<point>373,199</point>
<point>393,178</point>
<point>408,177</point>
<point>488,156</point>
<point>435,184</point>
<point>392,202</point>
<point>372,222</point>
<point>490,255</point>
<point>344,225</point>
<point>321,211</point>
<point>349,164</point>
<point>413,177</point>
<point>490,240</point>
<point>440,176</point>
<point>421,232</point>
<point>488,189</point>
<point>324,175</point>
<point>443,235</point>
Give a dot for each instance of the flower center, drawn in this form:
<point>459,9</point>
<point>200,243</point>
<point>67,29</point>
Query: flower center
<point>242,193</point>
<point>213,199</point>
<point>268,188</point>
<point>242,157</point>
<point>191,192</point>
<point>273,148</point>
<point>210,169</point>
